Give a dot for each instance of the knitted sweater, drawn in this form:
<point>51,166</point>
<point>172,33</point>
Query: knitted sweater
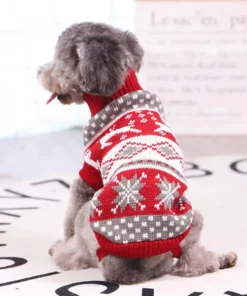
<point>134,163</point>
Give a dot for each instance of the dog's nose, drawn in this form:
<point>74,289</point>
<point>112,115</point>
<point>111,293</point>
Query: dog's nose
<point>60,97</point>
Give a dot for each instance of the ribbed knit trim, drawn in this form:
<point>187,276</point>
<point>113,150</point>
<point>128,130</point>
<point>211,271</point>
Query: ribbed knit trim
<point>141,249</point>
<point>97,103</point>
<point>131,84</point>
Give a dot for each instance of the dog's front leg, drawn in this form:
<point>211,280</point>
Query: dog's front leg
<point>80,194</point>
<point>196,260</point>
<point>78,248</point>
<point>79,251</point>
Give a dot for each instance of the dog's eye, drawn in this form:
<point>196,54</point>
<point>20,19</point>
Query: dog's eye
<point>83,82</point>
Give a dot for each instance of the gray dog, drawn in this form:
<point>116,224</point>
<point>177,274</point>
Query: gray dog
<point>128,212</point>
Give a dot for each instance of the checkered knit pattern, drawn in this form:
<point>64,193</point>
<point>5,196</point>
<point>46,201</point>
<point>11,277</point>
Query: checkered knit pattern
<point>135,164</point>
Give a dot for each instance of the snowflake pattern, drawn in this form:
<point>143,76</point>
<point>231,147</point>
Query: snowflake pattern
<point>128,116</point>
<point>131,122</point>
<point>95,203</point>
<point>123,137</point>
<point>180,203</point>
<point>169,191</point>
<point>129,193</point>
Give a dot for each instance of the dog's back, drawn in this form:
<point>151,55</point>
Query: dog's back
<point>141,210</point>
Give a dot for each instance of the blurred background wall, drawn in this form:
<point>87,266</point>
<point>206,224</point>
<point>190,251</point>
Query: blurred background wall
<point>28,33</point>
<point>195,60</point>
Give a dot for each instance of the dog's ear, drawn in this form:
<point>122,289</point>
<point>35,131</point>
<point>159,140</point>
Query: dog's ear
<point>103,64</point>
<point>135,49</point>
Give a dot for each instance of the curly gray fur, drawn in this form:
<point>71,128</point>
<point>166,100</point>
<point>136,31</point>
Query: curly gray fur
<point>80,194</point>
<point>78,251</point>
<point>90,57</point>
<point>95,58</point>
<point>195,261</point>
<point>132,271</point>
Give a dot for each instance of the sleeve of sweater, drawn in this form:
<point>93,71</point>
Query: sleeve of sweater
<point>91,176</point>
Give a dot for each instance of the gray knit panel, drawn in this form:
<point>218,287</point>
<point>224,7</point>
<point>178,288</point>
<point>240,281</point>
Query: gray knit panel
<point>131,101</point>
<point>143,228</point>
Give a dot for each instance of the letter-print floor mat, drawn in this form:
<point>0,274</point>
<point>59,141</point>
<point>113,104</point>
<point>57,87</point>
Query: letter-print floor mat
<point>31,219</point>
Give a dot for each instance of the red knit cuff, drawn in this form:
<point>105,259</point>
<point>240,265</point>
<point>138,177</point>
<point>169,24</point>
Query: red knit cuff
<point>97,103</point>
<point>91,176</point>
<point>141,249</point>
<point>131,84</point>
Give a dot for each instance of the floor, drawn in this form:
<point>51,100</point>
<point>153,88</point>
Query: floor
<point>34,177</point>
<point>61,152</point>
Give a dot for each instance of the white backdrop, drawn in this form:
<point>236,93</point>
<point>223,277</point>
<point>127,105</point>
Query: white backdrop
<point>29,30</point>
<point>28,33</point>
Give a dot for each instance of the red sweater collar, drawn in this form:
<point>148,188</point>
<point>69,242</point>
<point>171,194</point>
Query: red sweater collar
<point>97,103</point>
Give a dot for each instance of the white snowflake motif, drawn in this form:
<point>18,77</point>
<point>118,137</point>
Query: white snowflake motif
<point>150,113</point>
<point>154,118</point>
<point>123,137</point>
<point>95,203</point>
<point>143,120</point>
<point>128,116</point>
<point>169,191</point>
<point>141,115</point>
<point>131,122</point>
<point>112,129</point>
<point>129,193</point>
<point>181,203</point>
<point>182,208</point>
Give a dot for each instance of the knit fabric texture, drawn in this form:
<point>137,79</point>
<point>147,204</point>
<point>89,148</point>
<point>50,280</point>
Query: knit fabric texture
<point>134,163</point>
<point>97,103</point>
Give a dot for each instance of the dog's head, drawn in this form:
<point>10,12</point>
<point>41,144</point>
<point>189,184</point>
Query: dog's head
<point>90,57</point>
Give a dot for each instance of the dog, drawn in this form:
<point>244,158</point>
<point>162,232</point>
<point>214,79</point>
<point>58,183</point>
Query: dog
<point>128,212</point>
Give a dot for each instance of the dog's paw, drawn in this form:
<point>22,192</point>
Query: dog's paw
<point>229,260</point>
<point>125,278</point>
<point>73,261</point>
<point>187,271</point>
<point>198,220</point>
<point>53,247</point>
<point>67,256</point>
